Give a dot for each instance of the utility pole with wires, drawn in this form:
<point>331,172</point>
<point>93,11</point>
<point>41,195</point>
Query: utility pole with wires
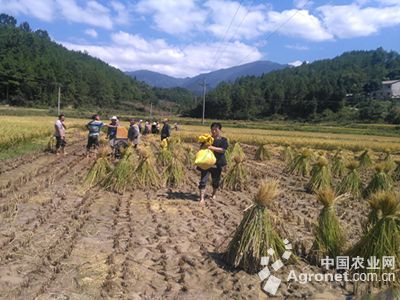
<point>151,109</point>
<point>204,100</point>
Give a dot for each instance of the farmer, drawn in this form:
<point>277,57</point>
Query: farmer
<point>140,126</point>
<point>154,127</point>
<point>94,128</point>
<point>219,147</point>
<point>59,134</point>
<point>166,130</point>
<point>134,133</point>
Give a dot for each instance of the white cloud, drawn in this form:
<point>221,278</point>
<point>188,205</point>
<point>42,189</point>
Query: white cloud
<point>297,47</point>
<point>123,16</point>
<point>173,16</point>
<point>347,21</point>
<point>296,63</point>
<point>93,13</point>
<point>298,23</point>
<point>43,10</point>
<point>133,52</point>
<point>91,32</point>
<point>248,22</point>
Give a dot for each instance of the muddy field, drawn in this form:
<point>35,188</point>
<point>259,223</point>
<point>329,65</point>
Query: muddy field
<point>61,241</point>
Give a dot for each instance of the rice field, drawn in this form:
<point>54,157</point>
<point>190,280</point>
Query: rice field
<point>317,140</point>
<point>77,227</point>
<point>15,130</point>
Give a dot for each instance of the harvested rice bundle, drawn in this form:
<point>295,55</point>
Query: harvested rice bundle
<point>237,151</point>
<point>287,154</point>
<point>320,175</point>
<point>100,168</point>
<point>396,172</point>
<point>255,233</point>
<point>164,156</point>
<point>146,174</point>
<point>329,236</point>
<point>262,153</point>
<point>121,176</point>
<point>381,203</point>
<point>338,165</point>
<point>174,174</point>
<point>382,239</point>
<point>381,180</point>
<point>390,165</point>
<point>301,163</point>
<point>236,178</point>
<point>189,156</point>
<point>365,160</point>
<point>351,183</point>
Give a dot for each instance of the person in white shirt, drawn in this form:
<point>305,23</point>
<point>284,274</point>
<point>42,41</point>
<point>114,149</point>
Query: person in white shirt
<point>59,133</point>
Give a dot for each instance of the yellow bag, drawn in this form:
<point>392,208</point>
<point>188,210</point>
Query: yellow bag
<point>206,139</point>
<point>205,159</point>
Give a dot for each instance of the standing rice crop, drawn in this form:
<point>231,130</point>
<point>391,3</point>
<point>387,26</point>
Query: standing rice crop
<point>381,180</point>
<point>236,178</point>
<point>365,160</point>
<point>382,239</point>
<point>255,233</point>
<point>146,174</point>
<point>100,169</point>
<point>351,183</point>
<point>121,176</point>
<point>301,163</point>
<point>174,174</point>
<point>320,175</point>
<point>338,165</point>
<point>262,153</point>
<point>329,235</point>
<point>51,144</point>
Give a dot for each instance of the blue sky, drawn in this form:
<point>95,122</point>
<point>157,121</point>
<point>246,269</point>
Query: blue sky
<point>188,37</point>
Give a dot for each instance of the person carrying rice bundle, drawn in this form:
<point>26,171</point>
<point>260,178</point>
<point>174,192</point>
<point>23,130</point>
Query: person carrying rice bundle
<point>218,146</point>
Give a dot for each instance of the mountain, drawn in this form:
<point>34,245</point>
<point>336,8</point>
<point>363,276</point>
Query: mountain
<point>157,79</point>
<point>214,78</point>
<point>330,88</point>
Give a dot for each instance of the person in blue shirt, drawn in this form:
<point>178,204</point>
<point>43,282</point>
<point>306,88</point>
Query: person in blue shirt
<point>94,127</point>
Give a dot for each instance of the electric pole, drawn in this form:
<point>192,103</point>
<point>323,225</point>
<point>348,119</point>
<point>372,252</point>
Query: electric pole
<point>59,100</point>
<point>204,100</point>
<point>151,109</point>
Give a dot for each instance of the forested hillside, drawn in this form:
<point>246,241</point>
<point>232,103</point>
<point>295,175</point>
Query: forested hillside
<point>32,67</point>
<point>331,87</point>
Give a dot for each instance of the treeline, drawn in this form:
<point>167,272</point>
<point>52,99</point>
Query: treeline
<point>32,68</point>
<point>326,89</point>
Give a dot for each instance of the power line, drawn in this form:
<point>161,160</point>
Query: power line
<point>227,30</point>
<point>276,29</point>
<point>233,35</point>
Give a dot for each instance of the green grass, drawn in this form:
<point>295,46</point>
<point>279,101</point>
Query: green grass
<point>22,149</point>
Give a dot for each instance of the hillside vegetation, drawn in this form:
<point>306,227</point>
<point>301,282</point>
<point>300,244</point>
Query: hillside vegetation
<point>336,88</point>
<point>33,67</point>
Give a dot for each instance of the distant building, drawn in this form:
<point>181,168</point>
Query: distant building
<point>390,90</point>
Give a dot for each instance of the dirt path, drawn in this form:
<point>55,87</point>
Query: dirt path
<point>61,241</point>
